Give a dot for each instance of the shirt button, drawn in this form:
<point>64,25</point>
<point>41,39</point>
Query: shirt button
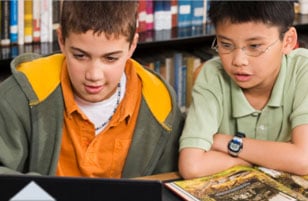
<point>255,114</point>
<point>262,127</point>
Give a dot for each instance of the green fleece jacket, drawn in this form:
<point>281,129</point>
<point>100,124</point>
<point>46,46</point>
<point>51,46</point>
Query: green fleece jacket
<point>31,120</point>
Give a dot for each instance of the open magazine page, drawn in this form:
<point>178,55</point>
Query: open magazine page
<point>238,184</point>
<point>296,183</point>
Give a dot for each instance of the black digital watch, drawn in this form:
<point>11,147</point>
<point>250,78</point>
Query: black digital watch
<point>236,144</point>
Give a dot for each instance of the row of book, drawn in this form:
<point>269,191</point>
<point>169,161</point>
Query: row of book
<point>29,21</point>
<point>179,69</point>
<point>166,14</point>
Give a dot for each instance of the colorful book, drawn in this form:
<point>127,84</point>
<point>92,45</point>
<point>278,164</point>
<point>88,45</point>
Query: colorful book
<point>180,79</point>
<point>5,23</point>
<point>205,11</point>
<point>169,63</point>
<point>46,21</point>
<point>28,19</point>
<point>192,64</point>
<point>167,15</point>
<point>14,21</point>
<point>36,19</point>
<point>141,26</point>
<point>56,6</point>
<point>174,13</point>
<point>159,15</point>
<point>149,14</point>
<point>197,12</point>
<point>184,13</point>
<point>21,22</point>
<point>238,183</point>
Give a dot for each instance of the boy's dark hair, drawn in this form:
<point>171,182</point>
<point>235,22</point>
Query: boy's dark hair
<point>273,13</point>
<point>113,18</point>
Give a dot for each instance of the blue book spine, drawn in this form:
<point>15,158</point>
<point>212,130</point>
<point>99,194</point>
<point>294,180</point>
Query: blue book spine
<point>158,15</point>
<point>184,13</point>
<point>14,21</point>
<point>167,15</point>
<point>197,12</point>
<point>178,64</point>
<point>183,86</point>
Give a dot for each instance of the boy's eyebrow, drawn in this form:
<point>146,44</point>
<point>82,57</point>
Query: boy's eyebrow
<point>249,39</point>
<point>84,52</point>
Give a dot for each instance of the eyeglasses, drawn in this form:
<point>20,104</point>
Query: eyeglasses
<point>250,50</point>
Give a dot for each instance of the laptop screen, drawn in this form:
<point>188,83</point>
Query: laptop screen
<point>27,187</point>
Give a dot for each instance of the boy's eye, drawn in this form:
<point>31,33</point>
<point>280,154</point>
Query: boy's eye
<point>254,46</point>
<point>111,59</point>
<point>227,46</point>
<point>78,56</point>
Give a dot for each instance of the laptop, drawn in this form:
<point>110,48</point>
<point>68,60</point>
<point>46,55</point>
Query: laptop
<point>51,188</point>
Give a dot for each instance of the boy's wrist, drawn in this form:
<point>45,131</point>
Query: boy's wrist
<point>235,145</point>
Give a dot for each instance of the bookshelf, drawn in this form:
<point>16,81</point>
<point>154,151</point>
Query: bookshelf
<point>151,42</point>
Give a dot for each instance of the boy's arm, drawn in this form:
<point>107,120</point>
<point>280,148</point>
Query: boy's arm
<point>285,156</point>
<point>194,162</point>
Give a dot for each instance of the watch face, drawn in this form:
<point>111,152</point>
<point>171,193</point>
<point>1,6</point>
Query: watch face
<point>235,146</point>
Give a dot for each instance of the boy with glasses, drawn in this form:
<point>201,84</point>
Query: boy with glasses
<point>250,104</point>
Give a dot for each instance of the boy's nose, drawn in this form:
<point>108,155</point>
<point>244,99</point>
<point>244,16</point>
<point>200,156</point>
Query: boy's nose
<point>239,57</point>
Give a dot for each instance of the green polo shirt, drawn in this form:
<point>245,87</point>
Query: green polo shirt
<point>219,105</point>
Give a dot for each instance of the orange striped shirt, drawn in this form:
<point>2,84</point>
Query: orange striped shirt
<point>85,154</point>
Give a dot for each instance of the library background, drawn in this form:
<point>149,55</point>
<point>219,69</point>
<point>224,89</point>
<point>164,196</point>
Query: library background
<point>175,36</point>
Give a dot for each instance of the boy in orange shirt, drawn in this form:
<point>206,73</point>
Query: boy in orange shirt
<point>91,111</point>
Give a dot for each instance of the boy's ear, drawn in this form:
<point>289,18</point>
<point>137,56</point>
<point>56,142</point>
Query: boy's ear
<point>290,40</point>
<point>134,44</point>
<point>60,39</point>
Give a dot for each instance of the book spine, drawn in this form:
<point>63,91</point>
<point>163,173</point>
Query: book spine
<point>36,21</point>
<point>174,13</point>
<point>14,21</point>
<point>50,21</point>
<point>192,64</point>
<point>28,17</point>
<point>205,11</point>
<point>56,6</point>
<point>167,15</point>
<point>197,12</point>
<point>169,70</point>
<point>141,16</point>
<point>20,22</point>
<point>178,65</point>
<point>182,102</point>
<point>46,20</point>
<point>149,15</point>
<point>184,13</point>
<point>5,23</point>
<point>158,15</point>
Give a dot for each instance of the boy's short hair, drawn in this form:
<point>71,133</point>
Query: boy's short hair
<point>113,18</point>
<point>273,13</point>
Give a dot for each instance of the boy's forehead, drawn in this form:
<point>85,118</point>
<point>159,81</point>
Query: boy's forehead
<point>251,30</point>
<point>97,34</point>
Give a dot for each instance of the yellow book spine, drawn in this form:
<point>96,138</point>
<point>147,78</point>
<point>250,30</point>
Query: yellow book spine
<point>28,13</point>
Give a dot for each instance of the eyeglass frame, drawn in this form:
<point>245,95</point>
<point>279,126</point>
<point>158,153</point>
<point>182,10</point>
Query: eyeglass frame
<point>215,47</point>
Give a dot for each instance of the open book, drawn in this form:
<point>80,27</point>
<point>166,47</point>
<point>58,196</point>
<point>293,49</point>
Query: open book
<point>241,184</point>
